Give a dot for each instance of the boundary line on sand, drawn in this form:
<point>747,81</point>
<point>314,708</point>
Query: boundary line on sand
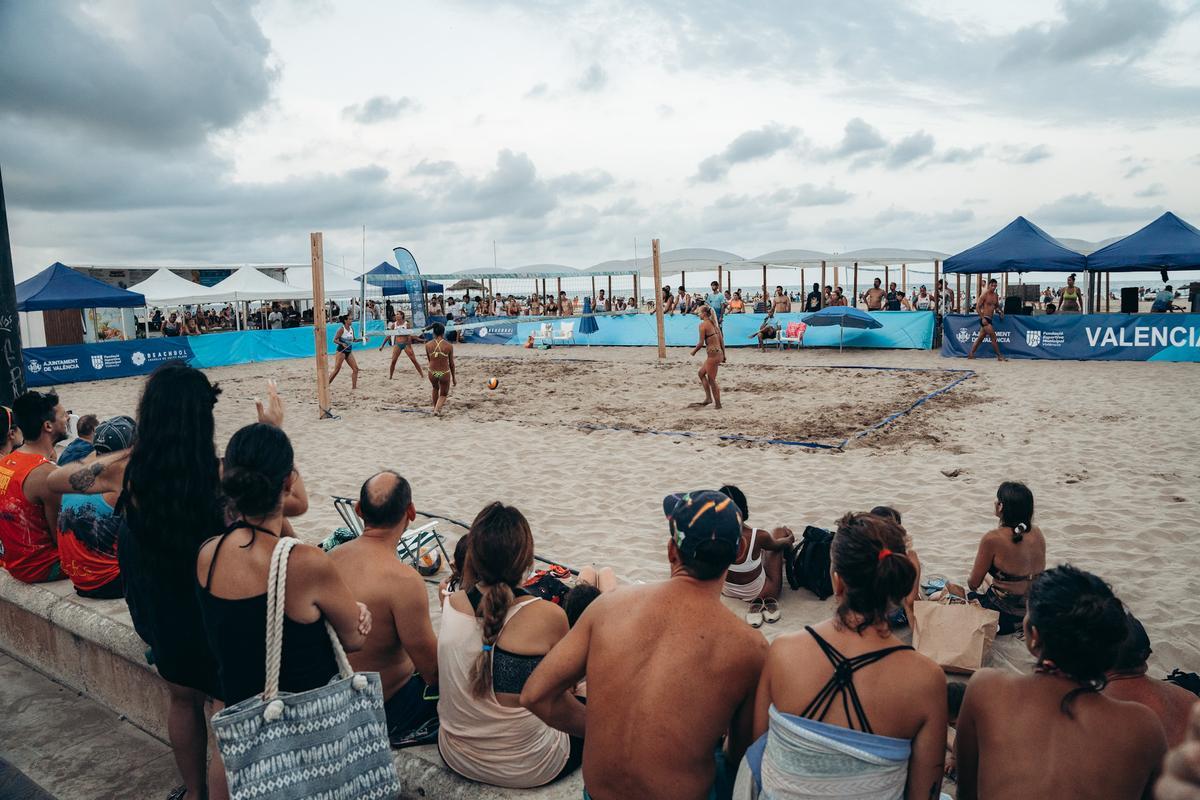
<point>963,376</point>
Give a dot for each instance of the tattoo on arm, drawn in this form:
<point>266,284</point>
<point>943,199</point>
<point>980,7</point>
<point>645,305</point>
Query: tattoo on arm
<point>84,479</point>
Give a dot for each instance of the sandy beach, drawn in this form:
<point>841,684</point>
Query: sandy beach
<point>1109,450</point>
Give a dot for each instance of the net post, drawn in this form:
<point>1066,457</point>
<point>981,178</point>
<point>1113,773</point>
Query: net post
<point>317,248</point>
<point>658,303</point>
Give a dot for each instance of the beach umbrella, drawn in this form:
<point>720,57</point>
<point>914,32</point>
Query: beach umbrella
<point>466,283</point>
<point>844,317</point>
<point>588,324</point>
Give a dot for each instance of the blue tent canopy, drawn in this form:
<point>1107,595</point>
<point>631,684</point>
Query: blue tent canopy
<point>1020,246</point>
<point>58,286</point>
<point>1166,243</point>
<point>392,280</point>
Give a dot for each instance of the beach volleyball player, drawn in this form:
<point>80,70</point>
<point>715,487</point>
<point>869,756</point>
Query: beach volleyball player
<point>441,366</point>
<point>988,307</point>
<point>713,343</point>
<point>343,340</point>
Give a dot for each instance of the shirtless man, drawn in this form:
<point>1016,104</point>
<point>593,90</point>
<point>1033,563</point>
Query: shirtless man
<point>1127,680</point>
<point>670,669</point>
<point>401,646</point>
<point>440,354</point>
<point>781,303</point>
<point>875,296</point>
<point>988,305</point>
<point>565,307</point>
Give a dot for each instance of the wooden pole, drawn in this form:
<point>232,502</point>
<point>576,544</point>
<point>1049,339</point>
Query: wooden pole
<point>682,279</point>
<point>557,289</point>
<point>937,296</point>
<point>886,278</point>
<point>957,290</point>
<point>803,285</point>
<point>854,301</point>
<point>1107,292</point>
<point>729,281</point>
<point>822,280</point>
<point>766,297</point>
<point>317,246</point>
<point>720,275</point>
<point>904,279</point>
<point>658,303</point>
<point>610,297</point>
<point>835,276</point>
<point>593,293</point>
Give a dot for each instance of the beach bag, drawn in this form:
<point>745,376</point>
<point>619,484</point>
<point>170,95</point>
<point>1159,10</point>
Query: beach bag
<point>807,564</point>
<point>955,633</point>
<point>329,743</point>
<point>549,584</point>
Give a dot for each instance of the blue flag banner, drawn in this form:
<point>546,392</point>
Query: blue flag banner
<point>1112,337</point>
<point>412,287</point>
<point>48,366</point>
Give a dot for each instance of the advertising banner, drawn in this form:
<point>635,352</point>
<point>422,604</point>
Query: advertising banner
<point>48,366</point>
<point>1112,337</point>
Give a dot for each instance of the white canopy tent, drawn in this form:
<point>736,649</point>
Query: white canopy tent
<point>336,284</point>
<point>165,288</point>
<point>248,284</point>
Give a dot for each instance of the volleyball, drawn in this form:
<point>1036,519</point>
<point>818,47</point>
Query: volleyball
<point>493,383</point>
<point>429,562</point>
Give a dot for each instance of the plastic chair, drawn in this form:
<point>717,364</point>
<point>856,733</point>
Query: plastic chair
<point>566,333</point>
<point>794,334</point>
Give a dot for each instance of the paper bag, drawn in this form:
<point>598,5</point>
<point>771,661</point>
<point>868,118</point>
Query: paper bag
<point>958,636</point>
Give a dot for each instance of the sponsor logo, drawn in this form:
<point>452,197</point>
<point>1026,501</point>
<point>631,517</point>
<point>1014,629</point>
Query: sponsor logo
<point>1033,338</point>
<point>483,331</point>
<point>1053,338</point>
<point>138,358</point>
<point>34,366</point>
<point>1144,336</point>
<point>97,362</point>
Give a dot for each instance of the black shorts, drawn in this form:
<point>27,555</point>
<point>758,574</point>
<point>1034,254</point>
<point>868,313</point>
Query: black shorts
<point>412,716</point>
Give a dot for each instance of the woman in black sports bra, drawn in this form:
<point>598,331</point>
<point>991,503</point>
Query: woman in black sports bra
<point>231,577</point>
<point>831,673</point>
<point>1013,554</point>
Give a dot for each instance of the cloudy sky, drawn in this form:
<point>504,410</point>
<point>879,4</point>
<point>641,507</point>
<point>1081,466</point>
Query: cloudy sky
<point>218,131</point>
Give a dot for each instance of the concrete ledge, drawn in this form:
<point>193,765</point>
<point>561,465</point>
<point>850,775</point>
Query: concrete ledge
<point>90,645</point>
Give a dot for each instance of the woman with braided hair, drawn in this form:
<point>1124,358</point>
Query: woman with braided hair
<point>1013,554</point>
<point>1053,733</point>
<point>492,637</point>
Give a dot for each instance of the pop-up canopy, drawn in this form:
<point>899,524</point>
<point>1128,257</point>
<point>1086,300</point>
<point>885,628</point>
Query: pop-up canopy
<point>165,288</point>
<point>248,283</point>
<point>58,286</point>
<point>1166,243</point>
<point>1020,246</point>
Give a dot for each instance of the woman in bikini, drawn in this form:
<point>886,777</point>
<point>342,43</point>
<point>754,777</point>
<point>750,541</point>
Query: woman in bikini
<point>714,345</point>
<point>343,340</point>
<point>1013,554</point>
<point>1070,298</point>
<point>441,366</point>
<point>757,574</point>
<point>400,344</point>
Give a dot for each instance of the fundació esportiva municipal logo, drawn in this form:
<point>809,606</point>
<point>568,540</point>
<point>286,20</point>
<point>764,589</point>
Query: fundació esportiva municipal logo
<point>97,362</point>
<point>138,358</point>
<point>1033,338</point>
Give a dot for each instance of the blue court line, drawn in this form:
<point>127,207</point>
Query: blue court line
<point>921,401</point>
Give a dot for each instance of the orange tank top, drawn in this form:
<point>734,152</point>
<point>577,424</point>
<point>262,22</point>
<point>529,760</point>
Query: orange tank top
<point>29,550</point>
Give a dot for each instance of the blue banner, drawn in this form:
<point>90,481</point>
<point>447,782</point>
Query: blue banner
<point>1113,337</point>
<point>48,366</point>
<point>901,329</point>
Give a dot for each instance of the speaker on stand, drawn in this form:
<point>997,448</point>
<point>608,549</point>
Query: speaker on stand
<point>1129,300</point>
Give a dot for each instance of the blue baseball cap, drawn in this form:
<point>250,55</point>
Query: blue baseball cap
<point>703,516</point>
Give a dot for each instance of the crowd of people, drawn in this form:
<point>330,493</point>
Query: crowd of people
<point>655,690</point>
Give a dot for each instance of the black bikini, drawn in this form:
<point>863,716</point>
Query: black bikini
<point>509,670</point>
<point>841,683</point>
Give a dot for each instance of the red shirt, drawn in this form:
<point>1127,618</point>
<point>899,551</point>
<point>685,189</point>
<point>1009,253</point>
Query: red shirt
<point>29,550</point>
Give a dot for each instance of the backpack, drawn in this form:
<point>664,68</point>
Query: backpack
<point>807,565</point>
<point>1188,680</point>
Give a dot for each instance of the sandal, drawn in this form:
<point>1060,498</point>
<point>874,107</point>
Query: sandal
<point>754,615</point>
<point>178,793</point>
<point>771,612</point>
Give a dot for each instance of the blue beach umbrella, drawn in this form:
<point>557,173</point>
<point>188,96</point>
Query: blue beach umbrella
<point>588,324</point>
<point>844,317</point>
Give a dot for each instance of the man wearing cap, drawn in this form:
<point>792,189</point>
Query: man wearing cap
<point>87,525</point>
<point>670,670</point>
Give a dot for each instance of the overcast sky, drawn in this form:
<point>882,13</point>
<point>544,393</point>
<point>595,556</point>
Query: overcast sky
<point>218,131</point>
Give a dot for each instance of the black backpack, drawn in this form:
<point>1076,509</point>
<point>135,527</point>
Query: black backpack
<point>1188,680</point>
<point>807,564</point>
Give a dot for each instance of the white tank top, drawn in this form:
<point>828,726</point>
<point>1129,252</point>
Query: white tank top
<point>753,561</point>
<point>479,738</point>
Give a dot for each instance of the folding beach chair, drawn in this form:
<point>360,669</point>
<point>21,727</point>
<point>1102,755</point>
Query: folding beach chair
<point>411,543</point>
<point>566,333</point>
<point>544,334</point>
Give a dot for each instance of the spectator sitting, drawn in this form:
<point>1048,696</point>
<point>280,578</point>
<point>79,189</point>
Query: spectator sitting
<point>650,731</point>
<point>28,508</point>
<point>1164,301</point>
<point>88,525</point>
<point>1127,680</point>
<point>757,573</point>
<point>81,446</point>
<point>401,646</point>
<point>13,439</point>
<point>768,329</point>
<point>1013,554</point>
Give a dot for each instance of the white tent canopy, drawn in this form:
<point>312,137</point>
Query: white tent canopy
<point>165,288</point>
<point>336,284</point>
<point>248,283</point>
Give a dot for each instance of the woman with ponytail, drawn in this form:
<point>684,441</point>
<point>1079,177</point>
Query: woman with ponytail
<point>1053,733</point>
<point>231,578</point>
<point>1013,554</point>
<point>847,692</point>
<point>492,637</point>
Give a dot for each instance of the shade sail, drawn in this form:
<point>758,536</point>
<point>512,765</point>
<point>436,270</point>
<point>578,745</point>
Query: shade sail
<point>248,283</point>
<point>336,284</point>
<point>165,288</point>
<point>1020,246</point>
<point>58,286</point>
<point>1166,243</point>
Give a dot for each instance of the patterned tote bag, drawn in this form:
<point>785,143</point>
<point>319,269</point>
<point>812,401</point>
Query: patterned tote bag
<point>329,743</point>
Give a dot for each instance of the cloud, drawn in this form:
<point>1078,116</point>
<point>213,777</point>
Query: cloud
<point>859,137</point>
<point>582,183</point>
<point>1082,209</point>
<point>155,74</point>
<point>1153,190</point>
<point>427,167</point>
<point>1092,28</point>
<point>959,155</point>
<point>594,79</point>
<point>909,149</point>
<point>865,146</point>
<point>538,90</point>
<point>807,194</point>
<point>749,146</point>
<point>1135,166</point>
<point>1014,154</point>
<point>379,108</point>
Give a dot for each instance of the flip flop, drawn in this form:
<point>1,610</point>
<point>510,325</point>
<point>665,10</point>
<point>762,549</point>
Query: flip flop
<point>754,615</point>
<point>771,612</point>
